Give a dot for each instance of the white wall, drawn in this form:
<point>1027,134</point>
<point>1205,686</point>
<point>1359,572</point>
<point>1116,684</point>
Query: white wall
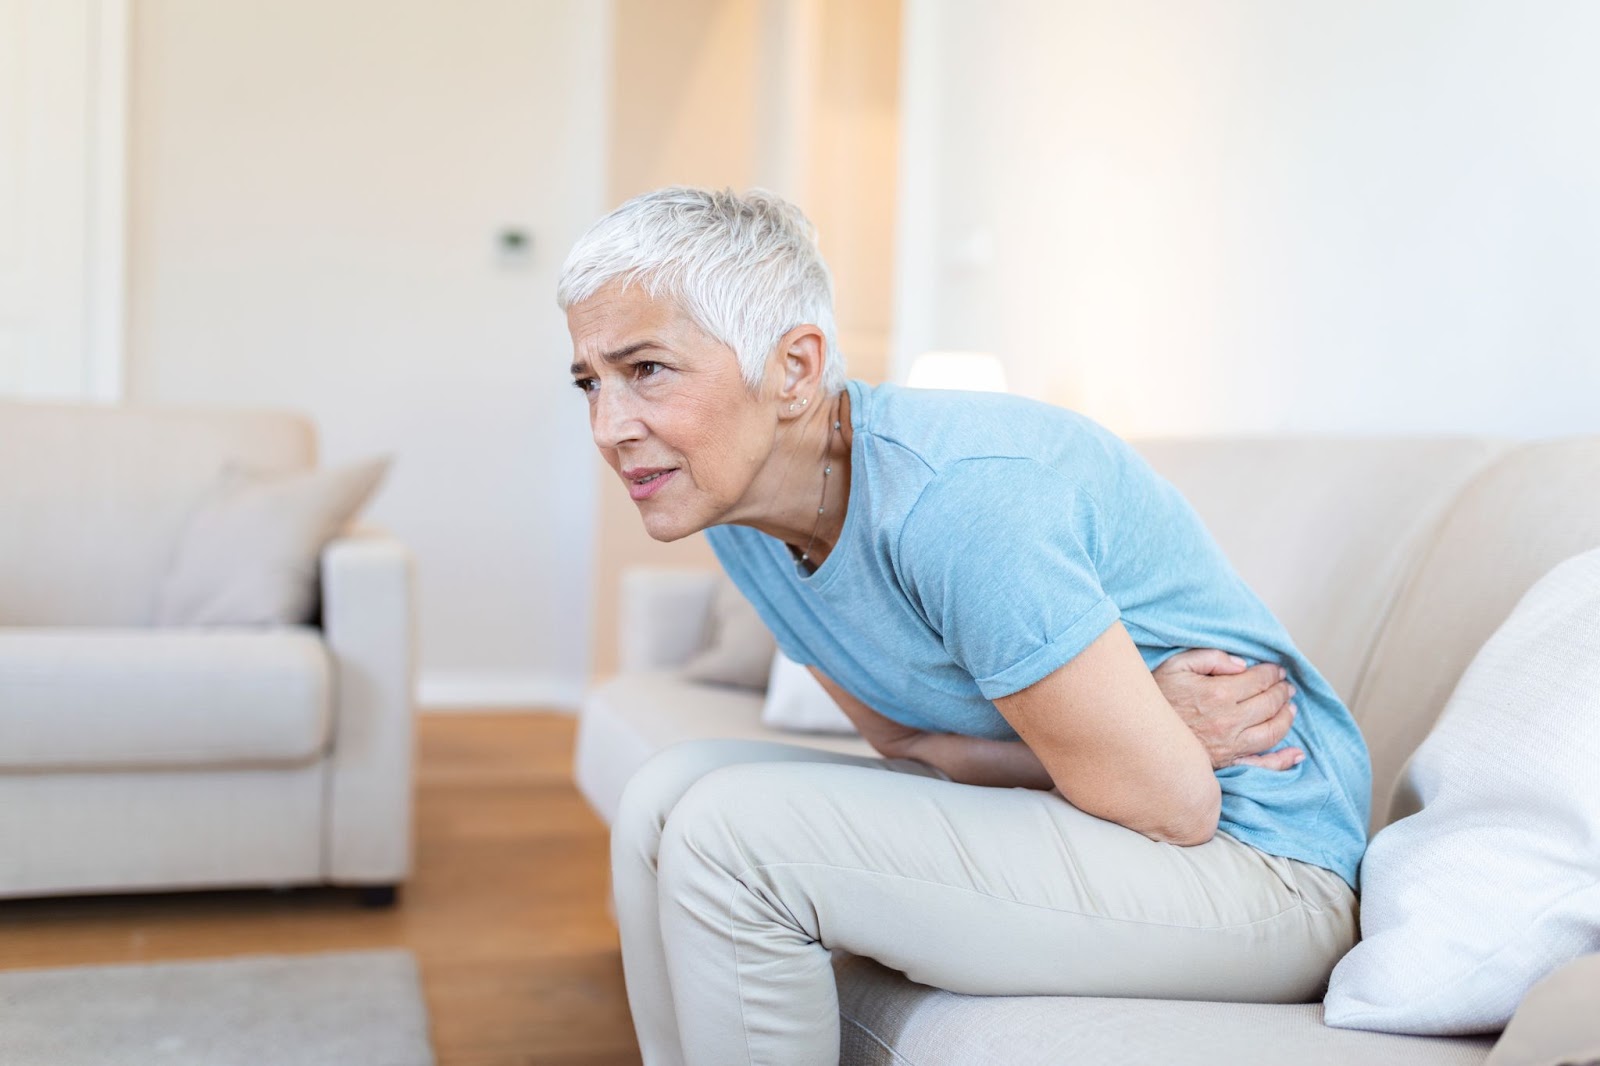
<point>316,191</point>
<point>1261,215</point>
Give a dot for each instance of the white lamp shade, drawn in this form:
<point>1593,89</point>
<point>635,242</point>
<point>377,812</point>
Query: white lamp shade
<point>970,371</point>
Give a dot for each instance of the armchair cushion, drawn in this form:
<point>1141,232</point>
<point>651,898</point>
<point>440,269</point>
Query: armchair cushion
<point>250,552</point>
<point>144,699</point>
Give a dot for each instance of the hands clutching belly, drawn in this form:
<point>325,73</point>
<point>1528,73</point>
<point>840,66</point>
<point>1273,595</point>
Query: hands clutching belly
<point>1235,710</point>
<point>1236,713</point>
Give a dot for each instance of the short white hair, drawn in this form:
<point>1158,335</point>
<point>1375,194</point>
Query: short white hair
<point>745,267</point>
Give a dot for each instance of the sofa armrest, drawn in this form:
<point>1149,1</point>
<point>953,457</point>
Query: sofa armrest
<point>663,617</point>
<point>1556,1023</point>
<point>369,623</point>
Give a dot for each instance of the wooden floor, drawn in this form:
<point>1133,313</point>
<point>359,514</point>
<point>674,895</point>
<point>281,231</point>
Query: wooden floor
<point>505,913</point>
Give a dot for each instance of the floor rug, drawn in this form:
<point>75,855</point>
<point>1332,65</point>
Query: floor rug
<point>359,1008</point>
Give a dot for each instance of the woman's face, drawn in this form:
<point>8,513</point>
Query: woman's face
<point>668,409</point>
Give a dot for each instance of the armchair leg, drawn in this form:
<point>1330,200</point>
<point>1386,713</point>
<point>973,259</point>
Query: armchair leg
<point>373,896</point>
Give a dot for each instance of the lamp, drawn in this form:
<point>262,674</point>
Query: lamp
<point>971,371</point>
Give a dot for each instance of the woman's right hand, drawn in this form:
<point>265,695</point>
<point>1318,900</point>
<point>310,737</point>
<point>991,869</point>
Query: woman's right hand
<point>1236,711</point>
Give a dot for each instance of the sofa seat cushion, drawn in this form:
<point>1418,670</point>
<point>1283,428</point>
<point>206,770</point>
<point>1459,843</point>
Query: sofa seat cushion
<point>632,716</point>
<point>887,1019</point>
<point>148,698</point>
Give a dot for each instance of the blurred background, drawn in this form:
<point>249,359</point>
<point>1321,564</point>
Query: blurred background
<point>1241,216</point>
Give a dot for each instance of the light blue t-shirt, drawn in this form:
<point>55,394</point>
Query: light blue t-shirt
<point>988,540</point>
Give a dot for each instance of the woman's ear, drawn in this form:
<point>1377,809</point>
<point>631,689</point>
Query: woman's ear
<point>804,353</point>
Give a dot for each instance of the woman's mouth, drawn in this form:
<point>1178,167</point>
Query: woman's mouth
<point>647,485</point>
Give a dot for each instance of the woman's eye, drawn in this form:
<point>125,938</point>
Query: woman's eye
<point>640,368</point>
<point>584,384</point>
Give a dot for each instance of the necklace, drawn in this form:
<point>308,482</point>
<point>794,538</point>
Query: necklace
<point>822,504</point>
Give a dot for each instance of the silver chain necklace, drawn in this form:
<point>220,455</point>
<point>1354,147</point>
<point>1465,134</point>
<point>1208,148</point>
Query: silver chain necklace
<point>822,503</point>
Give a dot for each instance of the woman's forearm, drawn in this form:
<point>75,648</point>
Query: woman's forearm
<point>1012,764</point>
<point>980,761</point>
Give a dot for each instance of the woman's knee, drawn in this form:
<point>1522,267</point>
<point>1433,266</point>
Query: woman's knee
<point>740,816</point>
<point>709,825</point>
<point>657,786</point>
<point>655,789</point>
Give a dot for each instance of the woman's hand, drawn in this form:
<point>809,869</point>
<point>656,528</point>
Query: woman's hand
<point>1236,711</point>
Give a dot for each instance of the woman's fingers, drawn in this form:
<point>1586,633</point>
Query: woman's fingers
<point>1236,713</point>
<point>1266,702</point>
<point>1277,760</point>
<point>1204,661</point>
<point>1255,682</point>
<point>1263,735</point>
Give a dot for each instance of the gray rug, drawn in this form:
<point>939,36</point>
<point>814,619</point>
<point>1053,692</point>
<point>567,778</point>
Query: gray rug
<point>361,1008</point>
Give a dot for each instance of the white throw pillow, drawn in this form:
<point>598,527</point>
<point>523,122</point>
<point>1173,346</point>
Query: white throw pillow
<point>1495,882</point>
<point>739,646</point>
<point>796,701</point>
<point>250,552</point>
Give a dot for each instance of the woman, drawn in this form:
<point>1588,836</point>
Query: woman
<point>1003,597</point>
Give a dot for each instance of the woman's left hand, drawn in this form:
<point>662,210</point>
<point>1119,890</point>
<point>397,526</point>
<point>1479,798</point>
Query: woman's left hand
<point>1236,711</point>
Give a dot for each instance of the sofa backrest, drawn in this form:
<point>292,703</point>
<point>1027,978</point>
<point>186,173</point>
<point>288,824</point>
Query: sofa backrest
<point>1533,508</point>
<point>1324,530</point>
<point>92,500</point>
<point>1390,561</point>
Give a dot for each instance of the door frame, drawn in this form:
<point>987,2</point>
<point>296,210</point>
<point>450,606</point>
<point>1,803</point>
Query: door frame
<point>106,213</point>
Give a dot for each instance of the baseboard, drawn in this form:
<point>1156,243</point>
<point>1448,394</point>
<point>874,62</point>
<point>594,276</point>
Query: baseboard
<point>498,690</point>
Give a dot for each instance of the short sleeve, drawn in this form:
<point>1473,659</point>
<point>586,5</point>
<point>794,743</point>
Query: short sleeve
<point>999,557</point>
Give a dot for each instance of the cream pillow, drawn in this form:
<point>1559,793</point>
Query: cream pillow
<point>1495,882</point>
<point>738,648</point>
<point>797,702</point>
<point>250,551</point>
<point>1557,1024</point>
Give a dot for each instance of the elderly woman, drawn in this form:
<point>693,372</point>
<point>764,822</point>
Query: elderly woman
<point>1093,781</point>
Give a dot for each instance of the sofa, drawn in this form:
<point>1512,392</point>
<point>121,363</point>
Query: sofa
<point>135,758</point>
<point>1390,561</point>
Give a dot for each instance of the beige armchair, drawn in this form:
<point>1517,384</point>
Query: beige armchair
<point>134,758</point>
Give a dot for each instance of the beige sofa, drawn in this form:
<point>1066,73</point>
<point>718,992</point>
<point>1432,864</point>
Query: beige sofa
<point>141,759</point>
<point>1389,560</point>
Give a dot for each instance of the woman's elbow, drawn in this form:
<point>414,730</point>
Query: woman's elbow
<point>1193,823</point>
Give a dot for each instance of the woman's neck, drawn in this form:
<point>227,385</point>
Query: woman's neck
<point>810,482</point>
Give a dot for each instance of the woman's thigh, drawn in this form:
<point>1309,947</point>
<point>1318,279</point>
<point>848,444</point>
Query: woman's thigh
<point>991,891</point>
<point>655,788</point>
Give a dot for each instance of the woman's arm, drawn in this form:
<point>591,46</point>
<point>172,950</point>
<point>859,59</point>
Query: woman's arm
<point>1115,747</point>
<point>1237,713</point>
<point>969,760</point>
<point>980,761</point>
<point>888,737</point>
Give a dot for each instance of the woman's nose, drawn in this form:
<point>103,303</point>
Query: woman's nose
<point>614,421</point>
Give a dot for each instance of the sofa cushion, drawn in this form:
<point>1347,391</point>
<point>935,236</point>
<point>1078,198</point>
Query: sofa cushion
<point>631,717</point>
<point>888,1020</point>
<point>250,552</point>
<point>738,645</point>
<point>133,699</point>
<point>797,703</point>
<point>1495,882</point>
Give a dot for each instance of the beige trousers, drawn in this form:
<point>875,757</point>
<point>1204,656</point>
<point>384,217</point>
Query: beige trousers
<point>738,865</point>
